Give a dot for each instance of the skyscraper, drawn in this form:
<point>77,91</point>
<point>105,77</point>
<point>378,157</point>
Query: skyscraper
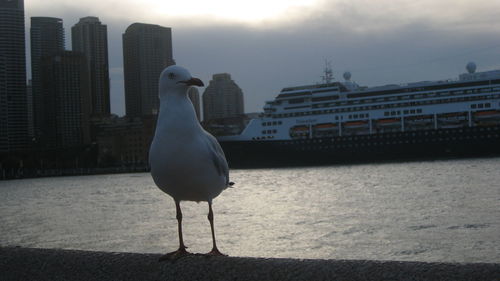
<point>147,50</point>
<point>90,37</point>
<point>222,98</point>
<point>47,38</point>
<point>13,99</point>
<point>67,103</point>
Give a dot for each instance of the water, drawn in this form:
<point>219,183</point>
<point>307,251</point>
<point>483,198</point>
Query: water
<point>421,211</point>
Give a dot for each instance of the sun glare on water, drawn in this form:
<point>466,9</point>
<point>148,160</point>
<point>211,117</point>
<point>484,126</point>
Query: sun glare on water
<point>242,11</point>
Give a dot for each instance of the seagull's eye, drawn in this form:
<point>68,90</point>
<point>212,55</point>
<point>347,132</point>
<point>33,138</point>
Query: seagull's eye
<point>171,76</point>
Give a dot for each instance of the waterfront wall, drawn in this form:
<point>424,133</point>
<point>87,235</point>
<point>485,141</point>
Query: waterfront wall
<point>52,264</point>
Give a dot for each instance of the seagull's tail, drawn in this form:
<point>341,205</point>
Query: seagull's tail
<point>230,184</point>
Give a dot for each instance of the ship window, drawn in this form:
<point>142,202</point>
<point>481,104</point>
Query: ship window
<point>405,111</point>
<point>480,105</point>
<point>419,110</point>
<point>264,131</point>
<point>393,113</point>
<point>355,116</point>
<point>269,131</point>
<point>293,101</point>
<point>487,105</point>
<point>275,131</point>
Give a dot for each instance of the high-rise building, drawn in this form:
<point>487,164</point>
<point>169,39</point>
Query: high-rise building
<point>29,95</point>
<point>47,39</point>
<point>14,134</point>
<point>222,98</point>
<point>147,50</point>
<point>67,103</point>
<point>89,36</point>
<point>194,96</point>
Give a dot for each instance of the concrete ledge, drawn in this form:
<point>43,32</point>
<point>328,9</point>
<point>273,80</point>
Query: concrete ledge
<point>54,264</point>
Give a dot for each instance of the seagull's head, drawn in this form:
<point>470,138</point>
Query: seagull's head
<point>177,79</point>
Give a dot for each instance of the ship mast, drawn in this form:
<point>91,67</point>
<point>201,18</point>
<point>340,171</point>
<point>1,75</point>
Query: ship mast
<point>328,73</point>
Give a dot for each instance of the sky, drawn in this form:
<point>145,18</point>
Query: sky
<point>267,45</point>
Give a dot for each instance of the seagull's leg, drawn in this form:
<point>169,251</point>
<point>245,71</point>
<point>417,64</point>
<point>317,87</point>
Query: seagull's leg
<point>215,251</point>
<point>182,248</point>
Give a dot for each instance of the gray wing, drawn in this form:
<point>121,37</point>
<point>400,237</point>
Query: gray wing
<point>218,157</point>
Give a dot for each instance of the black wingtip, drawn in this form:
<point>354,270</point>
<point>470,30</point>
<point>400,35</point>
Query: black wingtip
<point>230,184</point>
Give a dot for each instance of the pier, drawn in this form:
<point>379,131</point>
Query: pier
<point>54,264</point>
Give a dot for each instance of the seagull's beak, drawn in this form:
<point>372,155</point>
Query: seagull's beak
<point>194,82</point>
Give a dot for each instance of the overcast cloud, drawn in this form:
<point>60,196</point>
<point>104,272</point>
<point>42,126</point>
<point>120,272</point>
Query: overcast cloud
<point>380,42</point>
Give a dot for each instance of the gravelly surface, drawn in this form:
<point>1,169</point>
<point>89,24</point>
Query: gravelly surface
<point>55,264</point>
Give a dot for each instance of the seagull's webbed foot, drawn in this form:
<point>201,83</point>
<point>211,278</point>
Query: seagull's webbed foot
<point>174,256</point>
<point>215,252</point>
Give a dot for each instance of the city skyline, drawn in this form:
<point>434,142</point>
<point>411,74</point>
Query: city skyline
<point>287,46</point>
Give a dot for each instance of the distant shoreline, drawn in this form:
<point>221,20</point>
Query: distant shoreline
<point>11,174</point>
<point>38,173</point>
<point>18,263</point>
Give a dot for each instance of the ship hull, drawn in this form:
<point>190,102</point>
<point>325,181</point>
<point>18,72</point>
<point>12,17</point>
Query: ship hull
<point>410,145</point>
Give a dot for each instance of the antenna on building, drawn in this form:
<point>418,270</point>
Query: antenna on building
<point>328,73</point>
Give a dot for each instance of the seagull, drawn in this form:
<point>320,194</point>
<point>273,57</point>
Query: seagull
<point>186,161</point>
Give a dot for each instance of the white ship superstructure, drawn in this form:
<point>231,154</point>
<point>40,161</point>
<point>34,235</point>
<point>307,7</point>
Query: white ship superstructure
<point>339,109</point>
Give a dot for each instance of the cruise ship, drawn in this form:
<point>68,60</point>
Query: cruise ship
<point>341,122</point>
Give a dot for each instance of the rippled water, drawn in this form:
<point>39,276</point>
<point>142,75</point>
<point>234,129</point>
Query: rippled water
<point>423,211</point>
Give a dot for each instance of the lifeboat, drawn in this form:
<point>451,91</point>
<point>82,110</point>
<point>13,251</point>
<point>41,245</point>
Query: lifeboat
<point>355,124</point>
<point>325,130</point>
<point>452,120</point>
<point>299,132</point>
<point>388,122</point>
<point>300,129</point>
<point>488,114</point>
<point>325,126</point>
